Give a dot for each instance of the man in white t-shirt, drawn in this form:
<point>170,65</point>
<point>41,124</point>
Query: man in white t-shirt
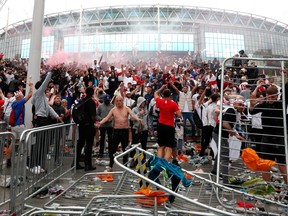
<point>127,99</point>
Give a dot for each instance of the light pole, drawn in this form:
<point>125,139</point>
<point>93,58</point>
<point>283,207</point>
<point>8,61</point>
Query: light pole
<point>33,74</point>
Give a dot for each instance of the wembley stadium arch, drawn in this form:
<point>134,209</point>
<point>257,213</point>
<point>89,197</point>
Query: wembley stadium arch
<point>211,33</point>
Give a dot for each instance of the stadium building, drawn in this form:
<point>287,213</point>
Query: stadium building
<point>209,33</point>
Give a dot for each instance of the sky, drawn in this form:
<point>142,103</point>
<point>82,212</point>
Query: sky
<point>17,12</point>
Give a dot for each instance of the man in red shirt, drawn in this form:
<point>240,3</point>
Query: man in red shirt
<point>166,130</point>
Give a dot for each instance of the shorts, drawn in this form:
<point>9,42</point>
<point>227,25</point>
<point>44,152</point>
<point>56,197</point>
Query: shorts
<point>18,130</point>
<point>166,136</point>
<point>275,151</point>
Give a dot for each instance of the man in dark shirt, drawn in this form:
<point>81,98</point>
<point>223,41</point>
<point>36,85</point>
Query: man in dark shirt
<point>229,121</point>
<point>87,132</point>
<point>273,130</point>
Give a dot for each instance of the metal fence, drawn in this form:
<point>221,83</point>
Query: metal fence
<point>7,140</point>
<point>253,133</point>
<point>37,161</point>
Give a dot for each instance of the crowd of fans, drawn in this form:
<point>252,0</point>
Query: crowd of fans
<point>140,78</point>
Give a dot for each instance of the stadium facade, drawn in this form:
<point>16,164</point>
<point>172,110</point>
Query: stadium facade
<point>211,33</point>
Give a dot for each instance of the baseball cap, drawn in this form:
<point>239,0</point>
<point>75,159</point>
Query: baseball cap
<point>107,97</point>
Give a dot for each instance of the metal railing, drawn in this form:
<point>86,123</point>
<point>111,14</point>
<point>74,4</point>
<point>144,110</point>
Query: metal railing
<point>38,160</point>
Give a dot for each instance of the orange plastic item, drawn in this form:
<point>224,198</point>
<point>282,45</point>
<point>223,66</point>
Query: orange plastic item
<point>105,177</point>
<point>5,150</point>
<point>254,162</point>
<point>150,197</point>
<point>182,157</point>
<point>187,176</point>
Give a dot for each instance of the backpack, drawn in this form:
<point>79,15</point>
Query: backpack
<point>78,112</point>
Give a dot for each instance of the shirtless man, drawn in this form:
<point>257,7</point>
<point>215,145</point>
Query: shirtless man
<point>120,113</point>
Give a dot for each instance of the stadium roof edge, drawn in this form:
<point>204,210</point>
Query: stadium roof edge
<point>269,21</point>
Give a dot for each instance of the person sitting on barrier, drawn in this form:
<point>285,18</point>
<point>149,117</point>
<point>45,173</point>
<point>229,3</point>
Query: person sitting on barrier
<point>120,113</point>
<point>18,107</point>
<point>272,147</point>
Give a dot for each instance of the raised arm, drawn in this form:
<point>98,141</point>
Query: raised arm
<point>29,95</point>
<point>51,101</point>
<point>194,88</point>
<point>203,95</point>
<point>157,93</point>
<point>173,86</point>
<point>43,86</point>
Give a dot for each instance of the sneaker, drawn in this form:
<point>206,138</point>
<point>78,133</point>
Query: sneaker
<point>41,170</point>
<point>35,170</point>
<point>152,138</point>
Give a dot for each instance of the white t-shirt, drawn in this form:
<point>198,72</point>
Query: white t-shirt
<point>126,80</point>
<point>128,101</point>
<point>203,112</point>
<point>210,114</point>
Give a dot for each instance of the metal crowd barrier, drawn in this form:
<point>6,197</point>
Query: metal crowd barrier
<point>203,195</point>
<point>38,161</point>
<point>253,137</point>
<point>6,177</point>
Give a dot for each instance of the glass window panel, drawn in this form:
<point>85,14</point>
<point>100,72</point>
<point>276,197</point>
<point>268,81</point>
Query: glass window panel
<point>153,46</point>
<point>176,38</point>
<point>181,46</point>
<point>146,47</point>
<point>186,38</point>
<point>129,38</point>
<point>223,44</point>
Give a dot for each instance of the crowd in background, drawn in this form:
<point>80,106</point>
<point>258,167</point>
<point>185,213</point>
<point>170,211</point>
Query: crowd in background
<point>140,78</point>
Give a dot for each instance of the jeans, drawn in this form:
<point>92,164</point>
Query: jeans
<point>189,116</point>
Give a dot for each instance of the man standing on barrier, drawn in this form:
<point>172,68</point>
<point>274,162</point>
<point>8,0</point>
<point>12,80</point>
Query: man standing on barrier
<point>229,120</point>
<point>166,139</point>
<point>272,146</point>
<point>120,113</point>
<point>166,130</point>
